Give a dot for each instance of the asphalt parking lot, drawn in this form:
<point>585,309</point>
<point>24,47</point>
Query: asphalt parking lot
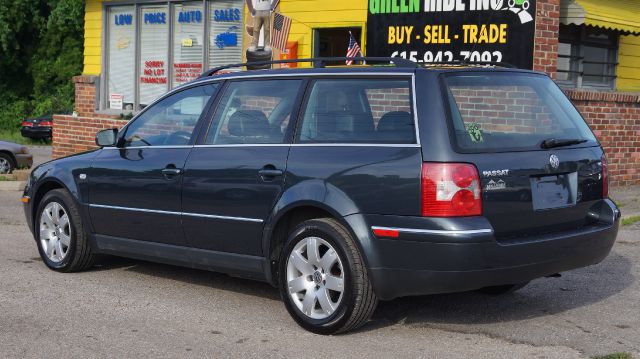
<point>126,308</point>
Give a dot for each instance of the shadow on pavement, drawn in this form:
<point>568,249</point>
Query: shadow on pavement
<point>192,276</point>
<point>542,297</point>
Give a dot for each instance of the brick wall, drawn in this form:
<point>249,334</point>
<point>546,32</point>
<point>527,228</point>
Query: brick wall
<point>615,119</point>
<point>509,109</point>
<point>545,50</point>
<point>76,133</point>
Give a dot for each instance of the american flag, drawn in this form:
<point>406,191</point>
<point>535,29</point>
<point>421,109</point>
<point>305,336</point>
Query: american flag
<point>353,50</point>
<point>281,28</point>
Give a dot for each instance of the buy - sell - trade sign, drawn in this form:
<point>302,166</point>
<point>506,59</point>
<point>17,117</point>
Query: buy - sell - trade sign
<point>453,30</point>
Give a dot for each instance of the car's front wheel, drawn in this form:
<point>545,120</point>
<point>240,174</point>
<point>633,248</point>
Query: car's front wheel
<point>61,238</point>
<point>6,164</point>
<point>323,279</point>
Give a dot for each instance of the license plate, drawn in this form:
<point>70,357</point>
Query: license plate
<point>558,191</point>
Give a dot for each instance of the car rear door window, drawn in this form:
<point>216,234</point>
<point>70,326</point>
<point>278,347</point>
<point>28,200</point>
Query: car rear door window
<point>359,111</point>
<point>254,112</point>
<point>170,122</point>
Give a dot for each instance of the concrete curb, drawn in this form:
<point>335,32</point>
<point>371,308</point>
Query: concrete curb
<point>12,185</point>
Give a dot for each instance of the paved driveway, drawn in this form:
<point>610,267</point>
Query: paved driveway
<point>41,154</point>
<point>127,308</point>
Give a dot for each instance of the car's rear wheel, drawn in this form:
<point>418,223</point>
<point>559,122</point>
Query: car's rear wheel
<point>6,164</point>
<point>61,238</point>
<point>323,279</point>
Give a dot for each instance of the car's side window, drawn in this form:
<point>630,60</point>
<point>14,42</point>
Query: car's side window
<point>170,122</point>
<point>254,112</point>
<point>359,111</point>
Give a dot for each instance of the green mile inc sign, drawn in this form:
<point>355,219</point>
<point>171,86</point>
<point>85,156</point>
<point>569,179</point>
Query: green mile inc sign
<point>441,31</point>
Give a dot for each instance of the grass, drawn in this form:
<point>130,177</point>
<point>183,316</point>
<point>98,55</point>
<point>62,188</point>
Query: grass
<point>15,136</point>
<point>615,356</point>
<point>630,220</point>
<point>4,178</point>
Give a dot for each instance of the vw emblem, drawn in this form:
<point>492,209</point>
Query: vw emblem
<point>554,161</point>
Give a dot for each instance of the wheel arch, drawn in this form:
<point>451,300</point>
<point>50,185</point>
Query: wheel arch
<point>283,221</point>
<point>43,188</point>
<point>12,157</point>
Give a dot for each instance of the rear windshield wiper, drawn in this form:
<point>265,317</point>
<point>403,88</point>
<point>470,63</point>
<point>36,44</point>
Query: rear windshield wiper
<point>554,142</point>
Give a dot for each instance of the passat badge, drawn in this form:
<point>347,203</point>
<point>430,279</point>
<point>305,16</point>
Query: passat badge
<point>554,161</point>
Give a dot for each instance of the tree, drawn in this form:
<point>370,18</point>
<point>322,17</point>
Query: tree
<point>40,51</point>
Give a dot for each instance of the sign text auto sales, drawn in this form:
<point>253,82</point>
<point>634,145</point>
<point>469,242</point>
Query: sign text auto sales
<point>453,30</point>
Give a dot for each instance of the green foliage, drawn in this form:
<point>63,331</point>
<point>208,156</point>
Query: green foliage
<point>627,221</point>
<point>615,356</point>
<point>40,51</point>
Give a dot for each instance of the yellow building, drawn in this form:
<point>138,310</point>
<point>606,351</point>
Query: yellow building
<point>140,49</point>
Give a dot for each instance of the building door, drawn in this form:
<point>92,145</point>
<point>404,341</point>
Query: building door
<point>334,42</point>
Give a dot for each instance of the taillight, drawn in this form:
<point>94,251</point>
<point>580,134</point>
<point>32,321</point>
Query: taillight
<point>46,124</point>
<point>450,190</point>
<point>27,124</point>
<point>605,177</point>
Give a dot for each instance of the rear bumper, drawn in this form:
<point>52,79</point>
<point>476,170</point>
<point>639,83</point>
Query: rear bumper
<point>24,160</point>
<point>36,132</point>
<point>468,259</point>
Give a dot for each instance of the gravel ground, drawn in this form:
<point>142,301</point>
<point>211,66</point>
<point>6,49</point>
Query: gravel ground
<point>126,308</point>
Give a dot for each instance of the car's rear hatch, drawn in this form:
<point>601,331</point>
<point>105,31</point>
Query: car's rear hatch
<point>540,167</point>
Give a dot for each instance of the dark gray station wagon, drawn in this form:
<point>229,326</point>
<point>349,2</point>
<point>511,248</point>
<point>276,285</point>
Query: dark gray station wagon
<point>340,186</point>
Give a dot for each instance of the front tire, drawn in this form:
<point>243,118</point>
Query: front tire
<point>323,279</point>
<point>6,164</point>
<point>62,241</point>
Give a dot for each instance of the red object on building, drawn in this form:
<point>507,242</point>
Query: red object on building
<point>290,54</point>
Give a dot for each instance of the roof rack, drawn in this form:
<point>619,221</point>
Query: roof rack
<point>318,62</point>
<point>471,63</point>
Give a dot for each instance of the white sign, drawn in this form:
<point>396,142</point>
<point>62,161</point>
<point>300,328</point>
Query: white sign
<point>116,101</point>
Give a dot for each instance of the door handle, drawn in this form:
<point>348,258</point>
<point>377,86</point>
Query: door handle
<point>269,173</point>
<point>172,171</point>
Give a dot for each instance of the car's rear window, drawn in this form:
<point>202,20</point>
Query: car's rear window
<point>493,112</point>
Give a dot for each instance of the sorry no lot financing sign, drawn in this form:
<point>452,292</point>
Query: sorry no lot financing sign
<point>453,30</point>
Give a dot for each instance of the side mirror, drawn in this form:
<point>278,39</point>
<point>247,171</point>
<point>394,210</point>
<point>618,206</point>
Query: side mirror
<point>107,138</point>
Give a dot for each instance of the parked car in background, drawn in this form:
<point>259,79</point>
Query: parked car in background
<point>13,155</point>
<point>39,128</point>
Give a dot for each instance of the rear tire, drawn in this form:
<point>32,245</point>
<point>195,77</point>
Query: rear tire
<point>323,279</point>
<point>502,289</point>
<point>60,235</point>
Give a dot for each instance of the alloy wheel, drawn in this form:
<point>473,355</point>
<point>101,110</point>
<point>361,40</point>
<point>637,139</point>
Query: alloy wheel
<point>55,232</point>
<point>315,278</point>
<point>5,166</point>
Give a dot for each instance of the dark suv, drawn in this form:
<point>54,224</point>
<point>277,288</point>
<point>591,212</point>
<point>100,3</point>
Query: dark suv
<point>341,186</point>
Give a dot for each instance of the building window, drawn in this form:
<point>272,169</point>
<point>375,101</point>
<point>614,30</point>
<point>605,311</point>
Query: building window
<point>188,42</point>
<point>227,19</point>
<point>151,48</point>
<point>122,56</point>
<point>587,57</point>
<point>154,59</point>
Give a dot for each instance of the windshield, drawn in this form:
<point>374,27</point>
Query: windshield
<point>497,112</point>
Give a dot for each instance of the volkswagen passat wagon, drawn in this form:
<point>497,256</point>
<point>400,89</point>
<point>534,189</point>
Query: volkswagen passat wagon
<point>340,186</point>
